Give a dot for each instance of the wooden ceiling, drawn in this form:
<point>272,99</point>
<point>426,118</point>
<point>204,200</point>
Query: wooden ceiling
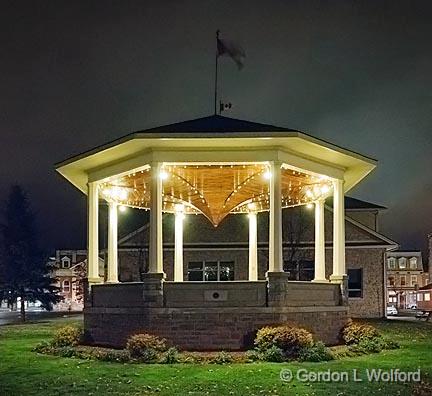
<point>215,190</point>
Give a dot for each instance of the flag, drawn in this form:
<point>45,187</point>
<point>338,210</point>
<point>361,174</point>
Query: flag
<point>231,49</point>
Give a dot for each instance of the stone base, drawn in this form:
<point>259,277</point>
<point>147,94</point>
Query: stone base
<point>208,328</point>
<point>92,281</point>
<point>343,282</point>
<point>320,280</point>
<point>155,276</point>
<point>338,278</point>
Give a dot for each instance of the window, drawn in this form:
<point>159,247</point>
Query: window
<point>301,270</point>
<point>427,296</point>
<point>391,280</point>
<point>391,263</point>
<point>402,262</point>
<point>413,280</point>
<point>210,271</point>
<point>392,300</point>
<point>65,262</point>
<point>403,280</point>
<point>355,282</point>
<point>413,263</point>
<point>66,286</point>
<point>419,297</point>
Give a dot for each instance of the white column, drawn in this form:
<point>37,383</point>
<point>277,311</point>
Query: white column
<point>92,233</point>
<point>319,242</point>
<point>156,243</point>
<point>275,220</point>
<point>112,276</point>
<point>339,271</point>
<point>178,243</point>
<point>253,246</point>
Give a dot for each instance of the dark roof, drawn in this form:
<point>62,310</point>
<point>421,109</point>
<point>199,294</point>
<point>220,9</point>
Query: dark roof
<point>356,204</point>
<point>217,123</point>
<point>427,287</point>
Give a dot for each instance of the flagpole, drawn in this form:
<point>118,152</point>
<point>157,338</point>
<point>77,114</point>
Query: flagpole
<point>216,73</point>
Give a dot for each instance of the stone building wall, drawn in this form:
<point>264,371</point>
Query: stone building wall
<point>372,302</point>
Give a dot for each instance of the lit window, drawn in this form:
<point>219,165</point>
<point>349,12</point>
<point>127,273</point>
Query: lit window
<point>66,286</point>
<point>413,263</point>
<point>419,297</point>
<point>413,280</point>
<point>427,297</point>
<point>355,282</point>
<point>391,263</point>
<point>402,262</point>
<point>210,271</point>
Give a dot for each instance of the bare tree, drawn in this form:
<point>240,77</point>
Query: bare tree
<point>298,225</point>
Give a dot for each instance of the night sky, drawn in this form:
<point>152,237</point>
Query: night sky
<point>75,74</point>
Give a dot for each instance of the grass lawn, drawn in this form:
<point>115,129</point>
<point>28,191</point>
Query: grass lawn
<point>23,372</point>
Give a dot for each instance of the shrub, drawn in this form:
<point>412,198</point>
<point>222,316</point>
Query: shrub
<point>189,358</point>
<point>253,355</point>
<point>389,344</point>
<point>44,347</point>
<point>318,352</point>
<point>114,355</point>
<point>222,358</point>
<point>341,351</point>
<point>67,336</point>
<point>366,346</point>
<point>66,351</point>
<point>145,347</point>
<point>170,356</point>
<point>354,332</point>
<point>273,354</point>
<point>289,339</point>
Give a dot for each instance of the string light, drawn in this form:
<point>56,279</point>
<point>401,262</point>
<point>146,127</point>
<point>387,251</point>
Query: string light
<point>201,188</point>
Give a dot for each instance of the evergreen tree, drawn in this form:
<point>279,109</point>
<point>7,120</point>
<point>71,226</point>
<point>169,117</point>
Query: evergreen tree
<point>24,271</point>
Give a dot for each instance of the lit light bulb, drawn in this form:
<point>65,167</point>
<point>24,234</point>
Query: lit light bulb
<point>309,193</point>
<point>309,205</point>
<point>267,175</point>
<point>122,208</point>
<point>163,175</point>
<point>325,189</point>
<point>116,193</point>
<point>179,208</point>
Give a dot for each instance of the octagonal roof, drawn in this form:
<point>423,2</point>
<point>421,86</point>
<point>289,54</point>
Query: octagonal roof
<point>204,139</point>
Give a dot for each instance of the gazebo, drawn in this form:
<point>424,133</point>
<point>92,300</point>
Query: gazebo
<point>215,167</point>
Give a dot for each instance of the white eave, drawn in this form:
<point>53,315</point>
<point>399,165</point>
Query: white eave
<point>354,166</point>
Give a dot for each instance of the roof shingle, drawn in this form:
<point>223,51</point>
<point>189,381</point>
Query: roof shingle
<point>217,123</point>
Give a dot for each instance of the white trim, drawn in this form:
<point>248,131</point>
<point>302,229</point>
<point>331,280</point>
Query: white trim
<point>133,233</point>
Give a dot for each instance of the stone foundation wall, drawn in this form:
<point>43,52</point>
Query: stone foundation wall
<point>208,328</point>
<point>211,315</point>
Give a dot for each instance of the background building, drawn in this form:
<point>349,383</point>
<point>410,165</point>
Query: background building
<point>70,270</point>
<point>405,273</point>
